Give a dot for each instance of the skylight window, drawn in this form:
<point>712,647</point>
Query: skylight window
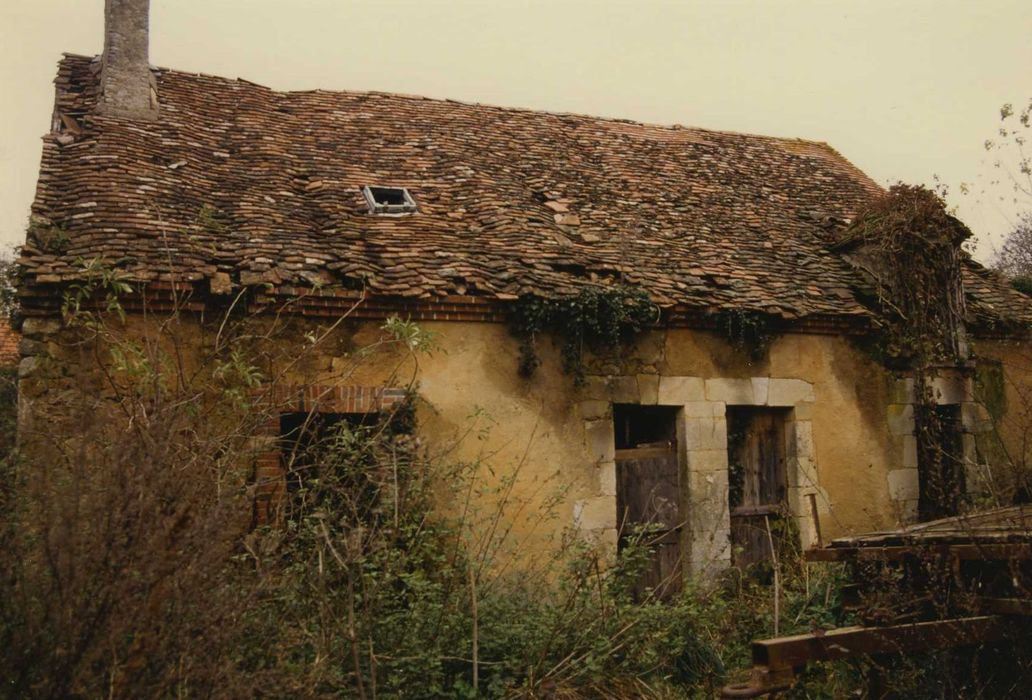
<point>389,200</point>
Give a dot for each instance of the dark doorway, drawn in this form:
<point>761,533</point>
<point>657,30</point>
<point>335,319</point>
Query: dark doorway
<point>940,461</point>
<point>757,481</point>
<point>649,504</point>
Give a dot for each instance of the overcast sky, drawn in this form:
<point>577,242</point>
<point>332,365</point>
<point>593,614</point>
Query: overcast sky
<point>905,89</point>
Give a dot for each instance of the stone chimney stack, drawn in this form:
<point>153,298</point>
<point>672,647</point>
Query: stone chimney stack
<point>127,86</point>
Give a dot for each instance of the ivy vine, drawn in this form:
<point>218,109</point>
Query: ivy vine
<point>749,332</point>
<point>912,251</point>
<point>913,246</point>
<point>596,318</point>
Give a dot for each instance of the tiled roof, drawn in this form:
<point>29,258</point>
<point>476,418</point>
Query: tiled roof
<point>238,184</point>
<point>991,300</point>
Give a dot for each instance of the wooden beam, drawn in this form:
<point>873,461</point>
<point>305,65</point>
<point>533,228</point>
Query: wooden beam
<point>1005,606</point>
<point>791,652</point>
<point>776,661</point>
<point>966,552</point>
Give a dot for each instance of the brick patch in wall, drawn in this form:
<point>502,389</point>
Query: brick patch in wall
<point>327,398</point>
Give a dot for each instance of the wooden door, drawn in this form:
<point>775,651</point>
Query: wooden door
<point>649,510</point>
<point>758,480</point>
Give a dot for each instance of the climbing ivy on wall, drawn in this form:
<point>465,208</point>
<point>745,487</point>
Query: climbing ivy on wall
<point>749,332</point>
<point>596,319</point>
<point>912,252</point>
<point>915,247</point>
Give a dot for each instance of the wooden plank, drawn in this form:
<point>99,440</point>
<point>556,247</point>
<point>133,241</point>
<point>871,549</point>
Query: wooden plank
<point>1006,606</point>
<point>649,508</point>
<point>648,490</point>
<point>645,453</point>
<point>1011,522</point>
<point>775,661</point>
<point>791,652</point>
<point>757,511</point>
<point>756,450</point>
<point>964,552</point>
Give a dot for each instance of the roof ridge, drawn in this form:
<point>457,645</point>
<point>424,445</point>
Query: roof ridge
<point>503,108</point>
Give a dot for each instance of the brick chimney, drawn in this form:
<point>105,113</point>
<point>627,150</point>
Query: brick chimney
<point>127,86</point>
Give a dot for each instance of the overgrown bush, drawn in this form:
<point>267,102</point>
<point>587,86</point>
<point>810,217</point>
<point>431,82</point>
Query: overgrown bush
<point>131,566</point>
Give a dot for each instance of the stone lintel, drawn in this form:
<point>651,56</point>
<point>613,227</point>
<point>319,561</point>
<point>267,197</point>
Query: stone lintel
<point>676,391</point>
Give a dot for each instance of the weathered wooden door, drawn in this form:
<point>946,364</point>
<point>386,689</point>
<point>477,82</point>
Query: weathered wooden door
<point>649,510</point>
<point>758,482</point>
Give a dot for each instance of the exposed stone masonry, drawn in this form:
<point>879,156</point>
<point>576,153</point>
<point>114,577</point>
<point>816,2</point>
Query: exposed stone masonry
<point>948,387</point>
<point>127,86</point>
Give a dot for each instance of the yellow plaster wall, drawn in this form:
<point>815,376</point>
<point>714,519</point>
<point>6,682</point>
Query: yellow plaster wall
<point>471,384</point>
<point>853,448</point>
<point>473,404</point>
<point>1012,426</point>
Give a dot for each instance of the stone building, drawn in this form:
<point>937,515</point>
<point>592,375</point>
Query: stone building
<point>208,194</point>
<point>8,345</point>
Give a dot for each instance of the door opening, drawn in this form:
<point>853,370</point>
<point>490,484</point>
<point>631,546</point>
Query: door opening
<point>757,481</point>
<point>940,461</point>
<point>649,503</point>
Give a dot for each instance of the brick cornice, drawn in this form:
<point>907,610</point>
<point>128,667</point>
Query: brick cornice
<point>332,303</point>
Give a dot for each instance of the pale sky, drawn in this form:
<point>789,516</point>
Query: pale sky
<point>905,89</point>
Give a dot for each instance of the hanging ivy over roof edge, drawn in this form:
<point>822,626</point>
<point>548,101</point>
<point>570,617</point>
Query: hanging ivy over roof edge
<point>594,319</point>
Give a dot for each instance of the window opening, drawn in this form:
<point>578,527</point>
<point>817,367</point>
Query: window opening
<point>389,200</point>
<point>307,439</point>
<point>302,437</point>
<point>644,426</point>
